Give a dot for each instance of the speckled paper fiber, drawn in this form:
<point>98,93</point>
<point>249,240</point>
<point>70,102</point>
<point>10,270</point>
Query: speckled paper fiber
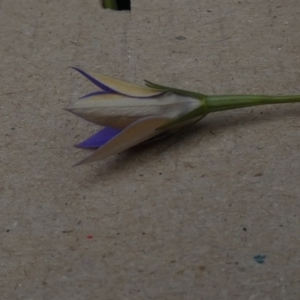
<point>212,214</point>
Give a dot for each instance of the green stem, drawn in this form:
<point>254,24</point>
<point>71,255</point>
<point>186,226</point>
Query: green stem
<point>225,102</point>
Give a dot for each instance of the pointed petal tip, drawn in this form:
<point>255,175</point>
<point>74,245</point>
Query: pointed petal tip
<point>77,145</point>
<point>98,139</point>
<point>86,160</point>
<point>77,164</point>
<point>93,77</point>
<point>69,109</point>
<point>75,68</point>
<point>82,162</point>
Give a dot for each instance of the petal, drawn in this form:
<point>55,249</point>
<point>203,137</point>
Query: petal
<point>112,85</point>
<point>94,94</point>
<point>109,110</point>
<point>134,134</point>
<point>94,80</point>
<point>118,111</point>
<point>100,138</point>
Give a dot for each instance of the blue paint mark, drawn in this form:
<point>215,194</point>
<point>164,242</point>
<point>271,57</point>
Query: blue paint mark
<point>260,259</point>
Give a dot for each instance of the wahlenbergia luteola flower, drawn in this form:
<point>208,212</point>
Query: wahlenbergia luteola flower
<point>132,114</point>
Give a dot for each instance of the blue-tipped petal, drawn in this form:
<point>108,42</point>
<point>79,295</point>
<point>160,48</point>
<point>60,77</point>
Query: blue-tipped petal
<point>132,135</point>
<point>100,138</point>
<point>111,85</point>
<point>94,81</point>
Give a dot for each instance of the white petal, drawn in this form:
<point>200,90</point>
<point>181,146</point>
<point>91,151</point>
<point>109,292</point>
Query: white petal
<point>119,111</point>
<point>134,134</point>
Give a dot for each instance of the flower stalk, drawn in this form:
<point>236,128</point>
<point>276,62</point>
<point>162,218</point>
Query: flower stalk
<point>226,102</point>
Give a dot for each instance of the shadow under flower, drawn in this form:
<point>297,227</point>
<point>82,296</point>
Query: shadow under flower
<point>216,122</point>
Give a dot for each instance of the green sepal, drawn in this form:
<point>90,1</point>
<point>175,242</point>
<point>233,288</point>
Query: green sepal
<point>198,114</point>
<point>174,90</point>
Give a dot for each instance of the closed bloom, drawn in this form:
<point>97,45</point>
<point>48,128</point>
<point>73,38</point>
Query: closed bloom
<point>130,114</point>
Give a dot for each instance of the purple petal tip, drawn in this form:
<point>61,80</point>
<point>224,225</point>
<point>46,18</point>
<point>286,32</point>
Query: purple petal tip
<point>100,138</point>
<point>94,80</point>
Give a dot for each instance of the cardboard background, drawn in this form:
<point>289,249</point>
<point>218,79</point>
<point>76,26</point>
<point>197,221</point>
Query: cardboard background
<point>170,221</point>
